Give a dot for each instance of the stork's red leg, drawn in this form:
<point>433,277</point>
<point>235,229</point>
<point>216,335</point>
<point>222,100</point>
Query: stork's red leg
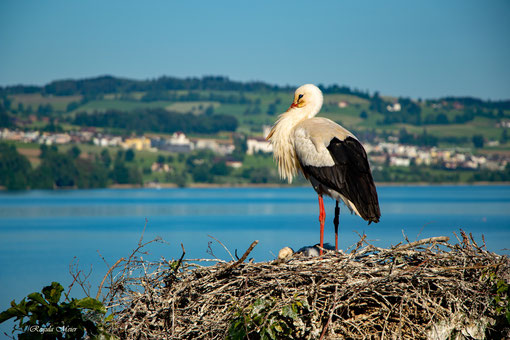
<point>322,218</point>
<point>336,221</point>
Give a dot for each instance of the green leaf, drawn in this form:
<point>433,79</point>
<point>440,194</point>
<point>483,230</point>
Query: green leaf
<point>38,298</point>
<point>52,310</point>
<point>9,313</point>
<point>306,304</point>
<point>52,293</point>
<point>278,327</point>
<point>270,332</point>
<point>258,306</point>
<point>92,304</point>
<point>236,330</point>
<point>21,308</point>
<point>289,312</point>
<point>502,287</point>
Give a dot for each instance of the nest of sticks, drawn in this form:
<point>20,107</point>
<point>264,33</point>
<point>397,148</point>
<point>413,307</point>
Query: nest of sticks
<point>415,290</point>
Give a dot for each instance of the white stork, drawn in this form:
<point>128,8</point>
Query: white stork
<point>328,155</point>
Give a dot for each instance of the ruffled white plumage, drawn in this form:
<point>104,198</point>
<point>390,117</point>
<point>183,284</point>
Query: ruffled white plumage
<point>282,135</point>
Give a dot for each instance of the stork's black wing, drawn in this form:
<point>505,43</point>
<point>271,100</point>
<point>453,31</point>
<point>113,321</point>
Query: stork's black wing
<point>350,176</point>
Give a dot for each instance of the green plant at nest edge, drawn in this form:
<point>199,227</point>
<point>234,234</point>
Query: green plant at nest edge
<point>500,294</point>
<point>42,316</point>
<point>265,320</point>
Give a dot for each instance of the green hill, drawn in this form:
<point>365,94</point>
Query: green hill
<point>452,120</point>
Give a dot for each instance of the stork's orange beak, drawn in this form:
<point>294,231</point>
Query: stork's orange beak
<point>294,105</point>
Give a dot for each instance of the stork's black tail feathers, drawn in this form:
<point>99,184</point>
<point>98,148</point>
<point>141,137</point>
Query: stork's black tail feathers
<point>358,185</point>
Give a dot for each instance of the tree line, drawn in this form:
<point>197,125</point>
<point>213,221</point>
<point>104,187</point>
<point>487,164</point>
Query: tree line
<point>66,169</point>
<point>108,84</point>
<point>157,120</point>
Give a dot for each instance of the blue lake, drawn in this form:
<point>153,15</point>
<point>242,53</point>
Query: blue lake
<point>42,231</point>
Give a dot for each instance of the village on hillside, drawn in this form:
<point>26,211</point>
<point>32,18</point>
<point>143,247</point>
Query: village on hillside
<point>389,152</point>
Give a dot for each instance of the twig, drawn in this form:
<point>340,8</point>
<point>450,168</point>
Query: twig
<point>423,227</point>
<point>222,246</point>
<point>72,283</point>
<point>106,275</point>
<point>330,315</point>
<point>245,255</point>
<point>83,282</point>
<point>143,232</point>
<point>424,241</point>
<point>458,239</point>
<point>405,236</point>
<point>180,260</point>
<point>465,239</point>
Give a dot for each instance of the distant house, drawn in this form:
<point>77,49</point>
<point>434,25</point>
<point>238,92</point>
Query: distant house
<point>84,136</point>
<point>61,138</point>
<point>157,167</point>
<point>31,136</point>
<point>106,141</point>
<point>343,104</point>
<point>395,107</point>
<point>137,143</point>
<point>219,146</point>
<point>234,164</point>
<point>378,159</point>
<point>58,138</point>
<point>12,135</point>
<point>177,143</point>
<point>504,124</point>
<point>258,144</point>
<point>399,161</point>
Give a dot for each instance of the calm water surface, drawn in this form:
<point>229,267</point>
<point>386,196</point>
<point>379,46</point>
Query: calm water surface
<point>42,231</point>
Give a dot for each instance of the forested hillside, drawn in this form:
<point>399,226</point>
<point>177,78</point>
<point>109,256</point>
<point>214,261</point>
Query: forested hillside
<point>454,139</point>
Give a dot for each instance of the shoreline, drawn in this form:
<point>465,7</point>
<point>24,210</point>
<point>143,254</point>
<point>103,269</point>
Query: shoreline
<point>265,185</point>
<point>278,185</point>
<point>283,185</point>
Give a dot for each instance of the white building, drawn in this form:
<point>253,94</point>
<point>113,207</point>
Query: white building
<point>106,141</point>
<point>343,104</point>
<point>396,107</point>
<point>257,144</point>
<point>58,138</point>
<point>179,138</point>
<point>217,146</point>
<point>399,161</point>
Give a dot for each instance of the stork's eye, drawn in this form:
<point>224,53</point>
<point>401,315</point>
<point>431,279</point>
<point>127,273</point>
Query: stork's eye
<point>300,96</point>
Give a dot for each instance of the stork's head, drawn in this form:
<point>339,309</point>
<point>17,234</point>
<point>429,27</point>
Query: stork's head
<point>308,98</point>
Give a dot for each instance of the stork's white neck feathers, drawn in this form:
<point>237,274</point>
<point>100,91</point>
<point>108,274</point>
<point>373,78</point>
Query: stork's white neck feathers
<point>307,103</point>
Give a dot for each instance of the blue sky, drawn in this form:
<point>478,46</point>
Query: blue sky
<point>421,49</point>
